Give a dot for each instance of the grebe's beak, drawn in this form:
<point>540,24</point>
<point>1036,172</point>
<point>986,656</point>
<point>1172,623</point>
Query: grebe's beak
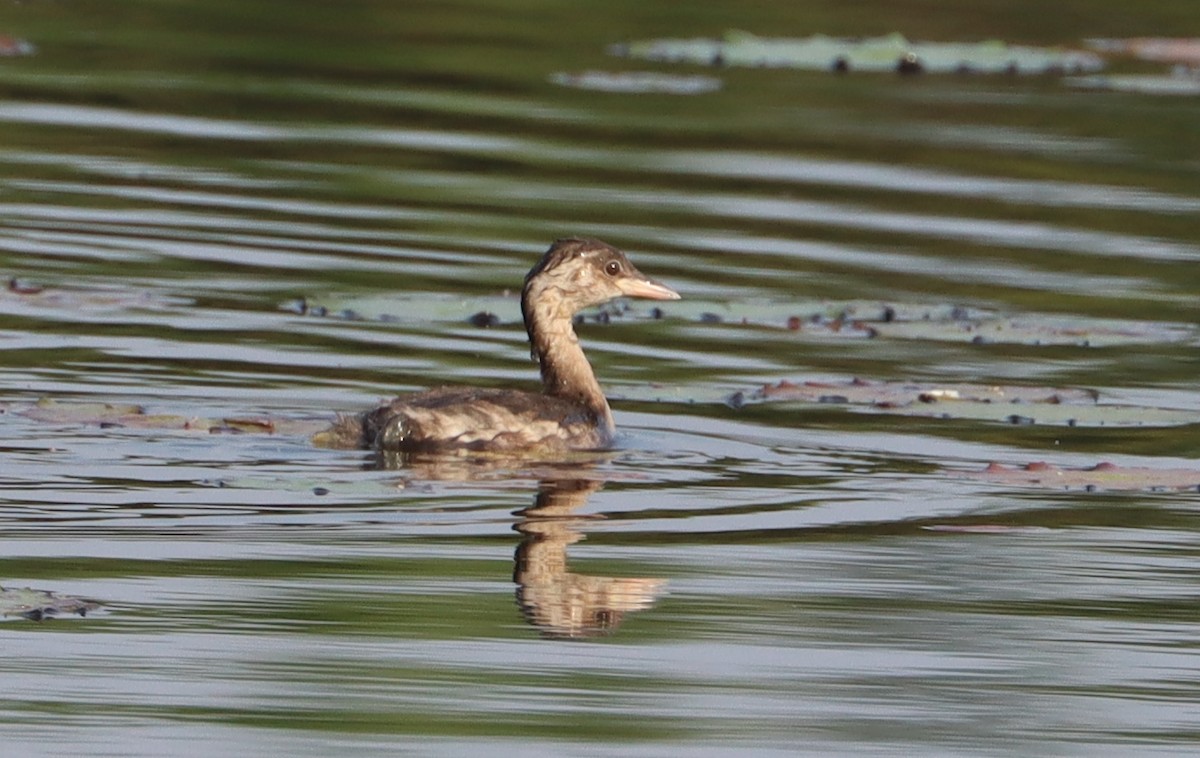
<point>640,286</point>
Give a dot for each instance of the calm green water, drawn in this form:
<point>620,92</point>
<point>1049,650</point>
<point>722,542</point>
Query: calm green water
<point>780,578</point>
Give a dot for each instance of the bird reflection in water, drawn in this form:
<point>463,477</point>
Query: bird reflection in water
<point>559,602</point>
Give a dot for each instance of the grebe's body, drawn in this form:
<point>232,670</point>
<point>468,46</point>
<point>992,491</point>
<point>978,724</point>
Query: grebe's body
<point>571,412</point>
<point>485,419</point>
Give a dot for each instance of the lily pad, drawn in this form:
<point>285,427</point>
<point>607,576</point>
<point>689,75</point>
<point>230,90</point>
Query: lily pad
<point>846,319</point>
<point>891,394</point>
<point>19,293</point>
<point>944,323</point>
<point>637,82</point>
<point>111,415</point>
<point>1037,329</point>
<point>1011,404</point>
<point>11,47</point>
<point>424,307</point>
<point>891,52</point>
<point>1167,49</point>
<point>38,605</point>
<point>1102,476</point>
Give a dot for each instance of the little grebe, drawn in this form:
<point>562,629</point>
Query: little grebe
<point>571,413</point>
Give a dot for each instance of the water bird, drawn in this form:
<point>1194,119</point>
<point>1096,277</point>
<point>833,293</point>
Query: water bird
<point>570,413</point>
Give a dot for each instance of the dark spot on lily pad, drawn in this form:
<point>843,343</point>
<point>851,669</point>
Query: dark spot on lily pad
<point>299,306</point>
<point>484,319</point>
<point>20,287</point>
<point>909,64</point>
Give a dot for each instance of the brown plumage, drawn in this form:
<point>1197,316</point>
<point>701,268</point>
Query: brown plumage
<point>571,413</point>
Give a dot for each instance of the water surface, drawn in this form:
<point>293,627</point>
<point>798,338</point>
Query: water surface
<point>774,578</point>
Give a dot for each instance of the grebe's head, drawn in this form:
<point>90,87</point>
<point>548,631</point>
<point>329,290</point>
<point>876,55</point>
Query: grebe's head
<point>578,273</point>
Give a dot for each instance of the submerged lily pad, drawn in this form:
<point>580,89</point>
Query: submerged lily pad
<point>847,319</point>
<point>11,47</point>
<point>1010,404</point>
<point>944,323</point>
<point>891,52</point>
<point>41,604</point>
<point>1102,476</point>
<point>895,394</point>
<point>24,294</point>
<point>1038,329</point>
<point>1167,49</point>
<point>111,415</point>
<point>637,82</point>
<point>424,307</point>
<point>936,322</point>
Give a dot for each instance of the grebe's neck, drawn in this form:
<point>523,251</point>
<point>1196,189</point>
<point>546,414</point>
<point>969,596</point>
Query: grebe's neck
<point>565,370</point>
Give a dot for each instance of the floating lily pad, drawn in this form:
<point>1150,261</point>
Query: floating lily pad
<point>891,52</point>
<point>637,82</point>
<point>1037,329</point>
<point>423,307</point>
<point>847,319</point>
<point>11,47</point>
<point>38,605</point>
<point>23,294</point>
<point>1010,404</point>
<point>945,323</point>
<point>894,394</point>
<point>110,415</point>
<point>1167,49</point>
<point>1102,476</point>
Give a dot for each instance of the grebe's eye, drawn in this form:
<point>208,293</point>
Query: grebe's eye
<point>612,268</point>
